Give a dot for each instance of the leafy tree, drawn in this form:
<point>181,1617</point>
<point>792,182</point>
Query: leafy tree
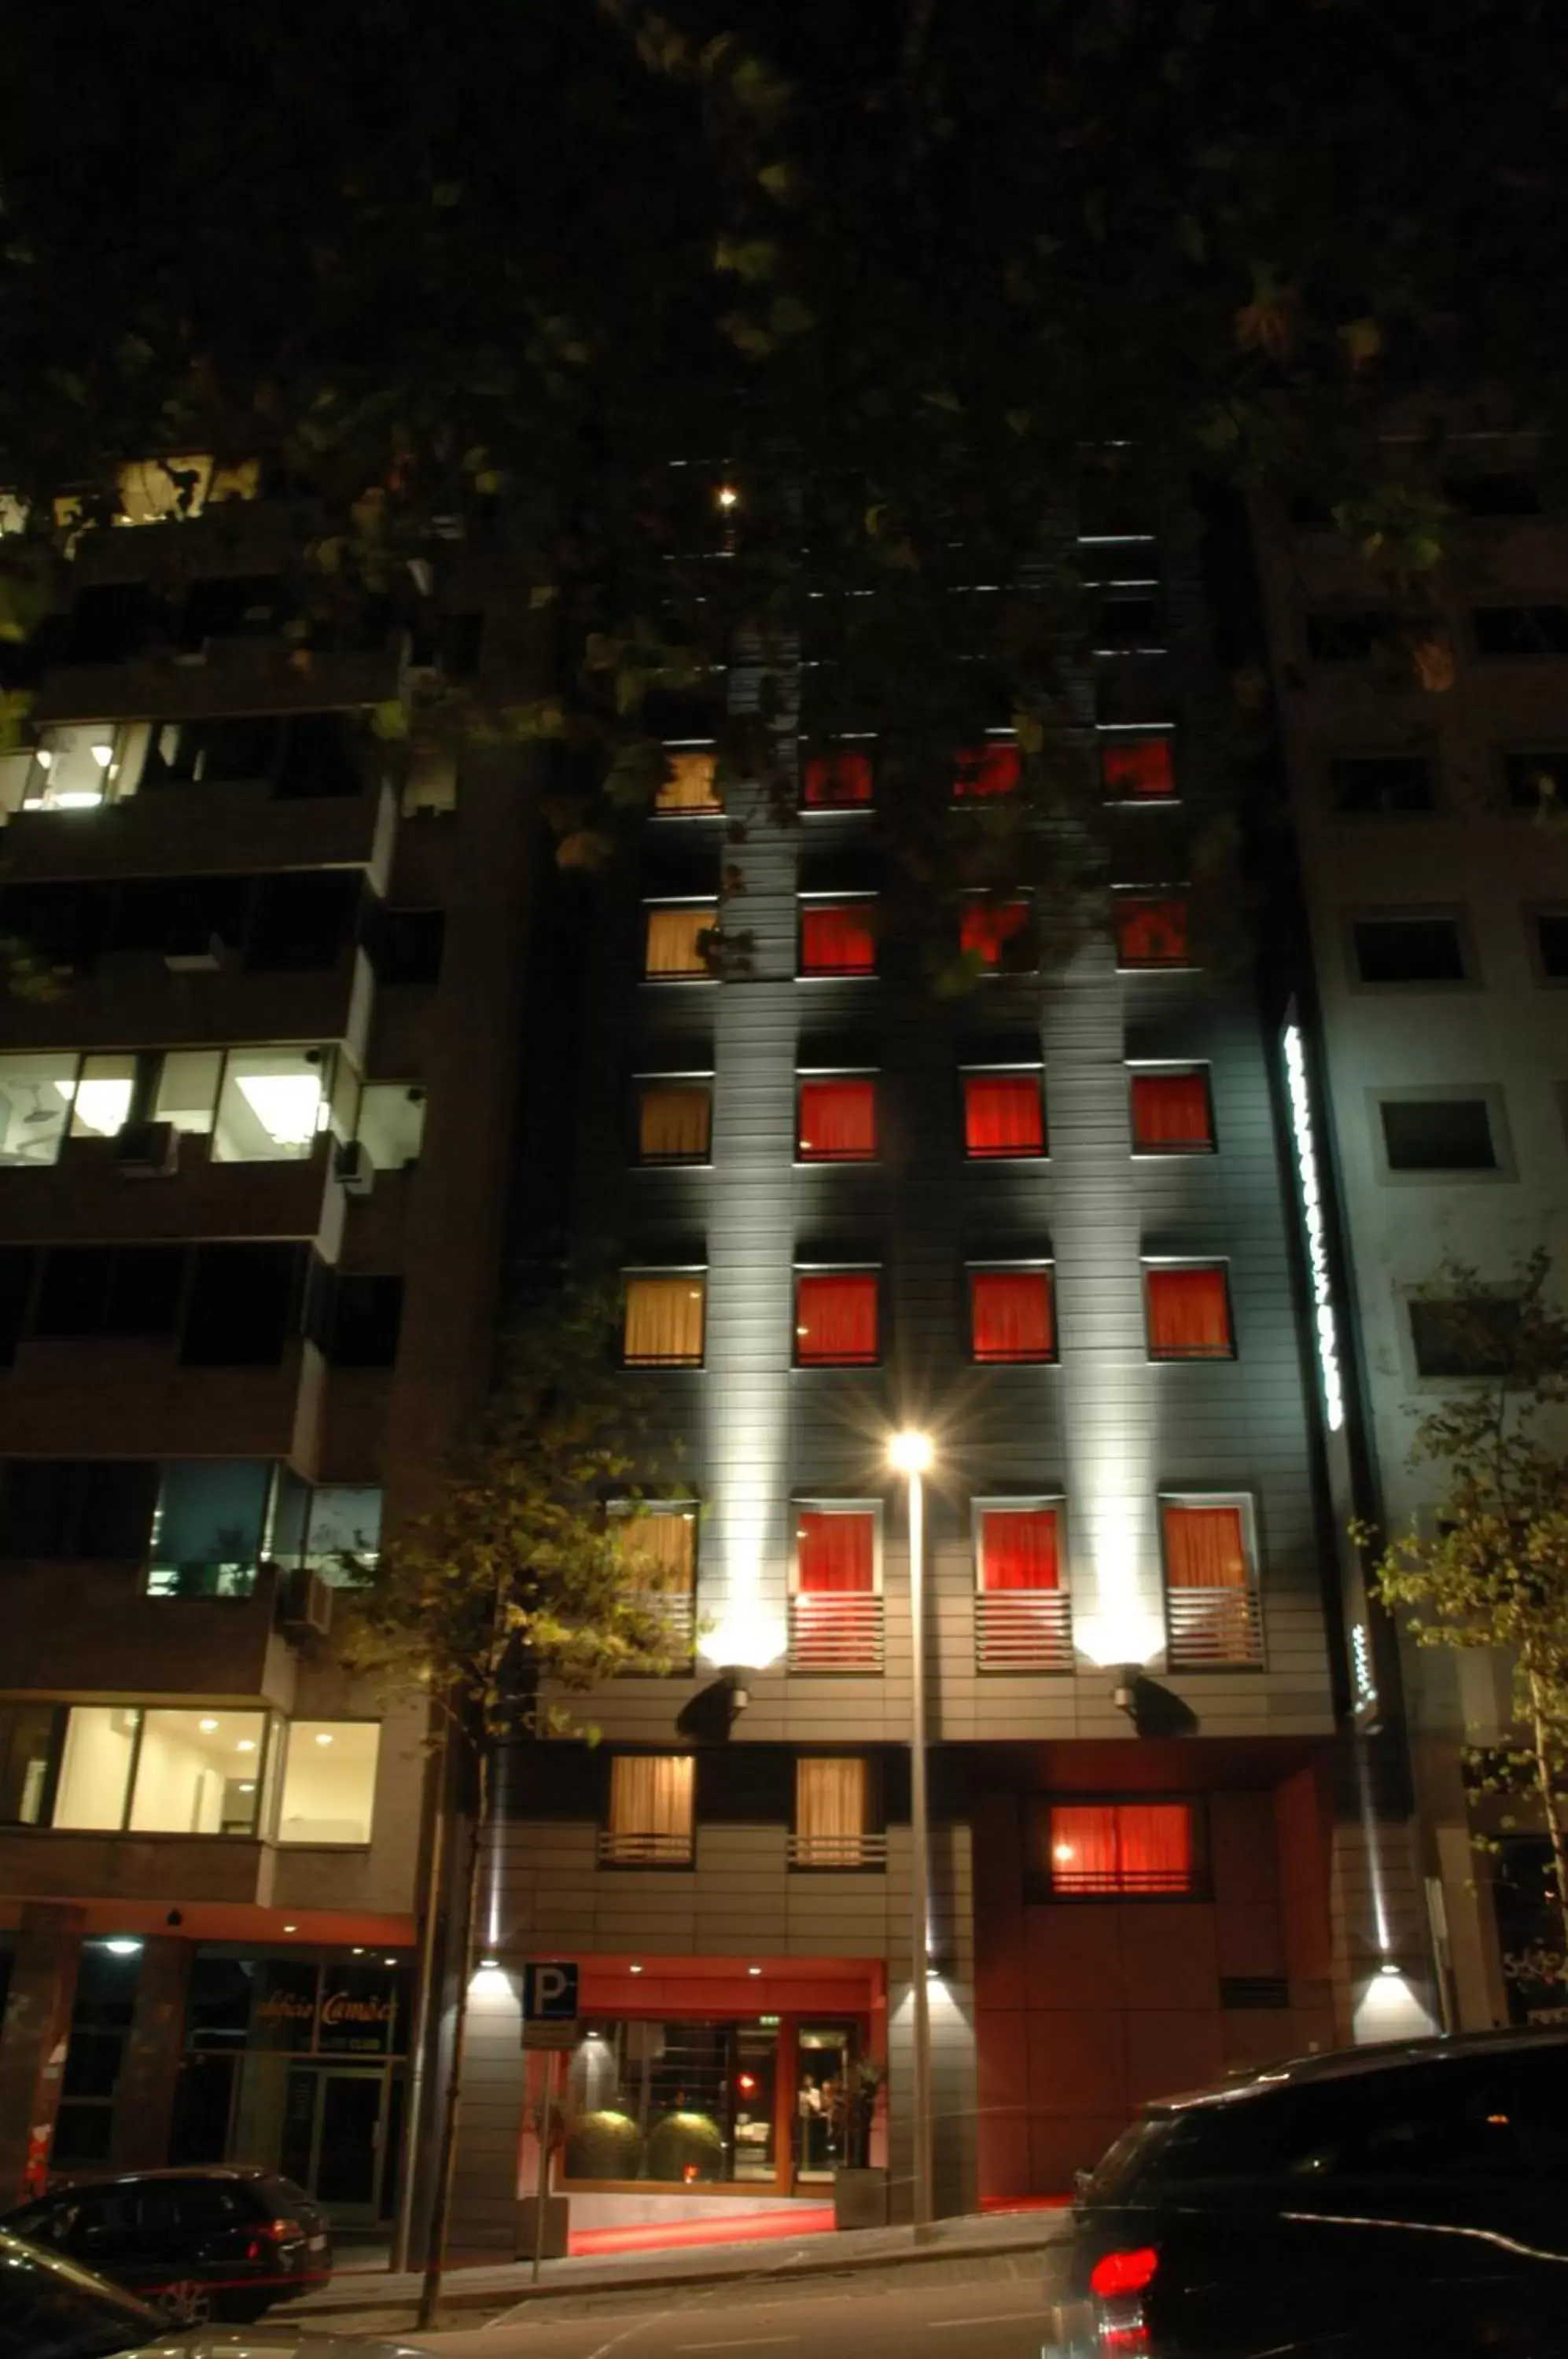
<point>1486,1565</point>
<point>515,1579</point>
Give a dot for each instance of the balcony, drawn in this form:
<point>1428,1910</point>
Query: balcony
<point>122,1639</point>
<point>675,1616</point>
<point>134,1000</point>
<point>51,1864</point>
<point>839,1630</point>
<point>635,1849</point>
<point>196,830</point>
<point>126,1397</point>
<point>1023,1630</point>
<point>863,1850</point>
<point>1211,1629</point>
<point>86,1196</point>
<point>235,675</point>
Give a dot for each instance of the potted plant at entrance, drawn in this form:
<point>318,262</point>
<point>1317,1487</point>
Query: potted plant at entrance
<point>860,2187</point>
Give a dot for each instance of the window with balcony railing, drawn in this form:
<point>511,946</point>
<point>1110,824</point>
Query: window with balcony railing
<point>833,1804</point>
<point>664,1320</point>
<point>1212,1617</point>
<point>1153,931</point>
<point>838,937</point>
<point>1138,767</point>
<point>1119,1850</point>
<point>837,1318</point>
<point>835,1120</point>
<point>675,948</point>
<point>1000,935</point>
<point>835,1603</point>
<point>1023,1618</point>
<point>1171,1114</point>
<point>674,1119</point>
<point>1003,1115</point>
<point>651,1820</point>
<point>1012,1318</point>
<point>689,786</point>
<point>657,1547</point>
<point>839,778</point>
<point>1188,1308</point>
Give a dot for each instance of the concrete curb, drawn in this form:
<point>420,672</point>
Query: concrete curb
<point>508,2297</point>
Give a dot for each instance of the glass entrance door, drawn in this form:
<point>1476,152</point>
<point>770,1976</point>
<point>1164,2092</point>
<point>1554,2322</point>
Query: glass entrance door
<point>825,2069</point>
<point>348,2143</point>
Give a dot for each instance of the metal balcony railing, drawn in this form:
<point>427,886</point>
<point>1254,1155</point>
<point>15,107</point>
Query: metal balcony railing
<point>634,1848</point>
<point>1209,1628</point>
<point>836,1630</point>
<point>838,1851</point>
<point>1023,1630</point>
<point>674,1613</point>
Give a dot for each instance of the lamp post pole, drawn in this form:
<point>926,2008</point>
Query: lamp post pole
<point>912,1455</point>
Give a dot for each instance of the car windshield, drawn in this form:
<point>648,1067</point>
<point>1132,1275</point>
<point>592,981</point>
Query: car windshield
<point>50,2310</point>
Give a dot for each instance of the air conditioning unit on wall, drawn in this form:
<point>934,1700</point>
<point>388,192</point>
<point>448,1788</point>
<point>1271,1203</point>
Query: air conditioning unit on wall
<point>304,1604</point>
<point>147,1150</point>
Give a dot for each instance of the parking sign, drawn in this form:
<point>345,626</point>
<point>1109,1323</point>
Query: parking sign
<point>549,1992</point>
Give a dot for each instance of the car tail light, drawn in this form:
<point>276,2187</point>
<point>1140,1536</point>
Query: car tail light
<point>1117,2273</point>
<point>283,2232</point>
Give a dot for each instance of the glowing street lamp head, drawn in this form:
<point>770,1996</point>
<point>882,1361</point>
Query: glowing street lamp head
<point>909,1452</point>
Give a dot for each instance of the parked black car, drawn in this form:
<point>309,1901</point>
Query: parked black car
<point>225,2243</point>
<point>1359,2205</point>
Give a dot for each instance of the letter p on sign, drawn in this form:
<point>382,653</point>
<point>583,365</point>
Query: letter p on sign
<point>550,1993</point>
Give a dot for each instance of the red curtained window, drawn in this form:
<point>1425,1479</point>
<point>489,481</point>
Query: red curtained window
<point>835,779</point>
<point>1009,1313</point>
<point>1188,1314</point>
<point>1170,1113</point>
<point>1018,1548</point>
<point>1133,768</point>
<point>1121,1847</point>
<point>836,1121</point>
<point>836,938</point>
<point>1152,931</point>
<point>984,771</point>
<point>989,926</point>
<point>834,1552</point>
<point>1205,1548</point>
<point>836,1320</point>
<point>1003,1114</point>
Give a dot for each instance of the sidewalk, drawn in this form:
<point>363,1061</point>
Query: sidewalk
<point>507,2285</point>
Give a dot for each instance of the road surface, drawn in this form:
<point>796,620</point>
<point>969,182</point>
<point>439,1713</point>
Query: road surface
<point>900,2313</point>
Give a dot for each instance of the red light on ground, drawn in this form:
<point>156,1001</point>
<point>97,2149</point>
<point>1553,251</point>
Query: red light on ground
<point>1115,2273</point>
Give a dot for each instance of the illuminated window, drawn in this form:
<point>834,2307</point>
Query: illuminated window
<point>674,1121</point>
<point>1189,1313</point>
<point>1133,1849</point>
<point>836,1121</point>
<point>1001,935</point>
<point>676,944</point>
<point>197,1772</point>
<point>328,1781</point>
<point>837,938</point>
<point>835,1589</point>
<point>691,782</point>
<point>1211,1601</point>
<point>664,1321</point>
<point>1018,1550</point>
<point>1151,931</point>
<point>1010,1315</point>
<point>1004,1114</point>
<point>1134,769</point>
<point>1171,1114</point>
<point>836,1319</point>
<point>833,1815</point>
<point>840,779</point>
<point>983,771</point>
<point>652,1811</point>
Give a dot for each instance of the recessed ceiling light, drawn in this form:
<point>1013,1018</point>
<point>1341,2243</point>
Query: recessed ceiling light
<point>291,1929</point>
<point>389,1962</point>
<point>247,1785</point>
<point>754,1969</point>
<point>245,1744</point>
<point>633,1970</point>
<point>206,1726</point>
<point>322,1738</point>
<point>358,1951</point>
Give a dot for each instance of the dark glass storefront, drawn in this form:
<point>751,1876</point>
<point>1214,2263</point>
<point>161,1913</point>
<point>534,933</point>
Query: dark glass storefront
<point>300,2063</point>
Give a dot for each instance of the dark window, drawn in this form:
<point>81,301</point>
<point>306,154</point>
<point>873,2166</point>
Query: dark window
<point>1128,616</point>
<point>1381,782</point>
<point>110,622</point>
<point>1551,945</point>
<point>1349,636</point>
<point>364,1315</point>
<point>1410,949</point>
<point>1470,1337</point>
<point>179,916</point>
<point>109,1290</point>
<point>16,1285</point>
<point>1520,630</point>
<point>300,922</point>
<point>318,758</point>
<point>1504,493</point>
<point>114,1502</point>
<point>211,751</point>
<point>73,1292</point>
<point>408,945</point>
<point>1438,1135</point>
<point>29,1738</point>
<point>1538,780</point>
<point>63,925</point>
<point>239,606</point>
<point>242,1305</point>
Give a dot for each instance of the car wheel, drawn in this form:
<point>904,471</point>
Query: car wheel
<point>187,2303</point>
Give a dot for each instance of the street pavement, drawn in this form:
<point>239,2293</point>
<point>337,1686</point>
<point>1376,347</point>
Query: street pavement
<point>984,2306</point>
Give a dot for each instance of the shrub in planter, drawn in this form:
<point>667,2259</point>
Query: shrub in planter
<point>685,2147</point>
<point>604,2146</point>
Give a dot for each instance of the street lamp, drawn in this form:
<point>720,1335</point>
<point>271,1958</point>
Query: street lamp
<point>909,1454</point>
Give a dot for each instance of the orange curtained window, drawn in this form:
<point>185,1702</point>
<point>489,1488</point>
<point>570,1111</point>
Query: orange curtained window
<point>984,771</point>
<point>1152,931</point>
<point>1009,1314</point>
<point>836,1320</point>
<point>1188,1314</point>
<point>691,782</point>
<point>674,1121</point>
<point>1170,1113</point>
<point>659,1550</point>
<point>1205,1548</point>
<point>1134,767</point>
<point>1121,1847</point>
<point>836,938</point>
<point>1018,1548</point>
<point>1003,1114</point>
<point>835,779</point>
<point>989,928</point>
<point>664,1321</point>
<point>832,1802</point>
<point>675,941</point>
<point>837,1122</point>
<point>836,1552</point>
<point>651,1798</point>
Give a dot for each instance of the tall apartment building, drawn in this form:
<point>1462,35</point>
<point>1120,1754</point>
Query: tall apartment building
<point>1051,1223</point>
<point>1437,908</point>
<point>253,1128</point>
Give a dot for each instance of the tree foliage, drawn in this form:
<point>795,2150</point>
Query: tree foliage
<point>1486,1564</point>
